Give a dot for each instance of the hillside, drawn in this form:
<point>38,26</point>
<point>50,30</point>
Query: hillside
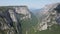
<point>48,19</point>
<point>16,20</point>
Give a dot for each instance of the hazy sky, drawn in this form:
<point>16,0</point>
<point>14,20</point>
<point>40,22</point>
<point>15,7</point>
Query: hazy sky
<point>29,3</point>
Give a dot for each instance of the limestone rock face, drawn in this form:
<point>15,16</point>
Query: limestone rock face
<point>23,10</point>
<point>52,16</point>
<point>10,17</point>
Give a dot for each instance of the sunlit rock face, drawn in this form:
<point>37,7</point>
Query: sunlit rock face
<point>12,14</point>
<point>52,16</point>
<point>24,11</point>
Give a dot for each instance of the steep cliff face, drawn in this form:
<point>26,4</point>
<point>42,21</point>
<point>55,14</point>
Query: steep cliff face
<point>6,23</point>
<point>24,11</point>
<point>10,17</point>
<point>51,15</point>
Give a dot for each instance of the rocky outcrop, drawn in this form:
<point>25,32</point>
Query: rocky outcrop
<point>24,11</point>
